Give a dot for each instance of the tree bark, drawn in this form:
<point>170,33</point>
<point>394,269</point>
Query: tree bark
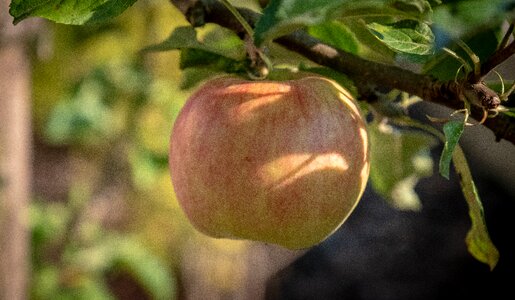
<point>15,157</point>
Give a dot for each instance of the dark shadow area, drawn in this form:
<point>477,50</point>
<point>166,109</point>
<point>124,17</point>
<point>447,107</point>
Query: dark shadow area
<point>383,253</point>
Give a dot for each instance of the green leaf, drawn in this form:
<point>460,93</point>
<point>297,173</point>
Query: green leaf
<point>199,58</point>
<point>399,158</point>
<point>343,23</point>
<point>192,77</point>
<point>386,11</point>
<point>281,17</point>
<point>109,10</point>
<point>69,11</point>
<point>369,46</point>
<point>405,36</point>
<point>478,240</point>
<point>219,41</point>
<point>217,51</point>
<point>337,35</point>
<point>353,36</point>
<point>209,52</point>
<point>452,131</point>
<point>413,6</point>
<point>207,64</point>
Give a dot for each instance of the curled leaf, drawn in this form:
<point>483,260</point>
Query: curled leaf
<point>222,42</point>
<point>478,240</point>
<point>452,131</point>
<point>406,36</point>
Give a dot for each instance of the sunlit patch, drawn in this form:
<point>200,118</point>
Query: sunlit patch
<point>249,107</point>
<point>259,88</point>
<point>366,167</point>
<point>364,137</point>
<point>285,170</point>
<point>347,100</point>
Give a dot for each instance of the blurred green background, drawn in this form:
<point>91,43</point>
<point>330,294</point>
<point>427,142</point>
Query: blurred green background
<point>104,220</point>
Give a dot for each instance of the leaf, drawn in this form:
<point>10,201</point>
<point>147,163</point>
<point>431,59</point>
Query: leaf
<point>478,240</point>
<point>281,17</point>
<point>219,41</point>
<point>198,65</point>
<point>219,50</point>
<point>109,10</point>
<point>337,35</point>
<point>386,11</point>
<point>452,131</point>
<point>69,11</point>
<point>414,6</point>
<point>405,36</point>
<point>370,47</point>
<point>353,36</point>
<point>342,23</point>
<point>200,58</point>
<point>399,158</point>
<point>192,77</point>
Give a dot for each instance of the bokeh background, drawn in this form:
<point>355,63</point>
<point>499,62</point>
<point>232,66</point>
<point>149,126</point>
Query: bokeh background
<point>101,220</point>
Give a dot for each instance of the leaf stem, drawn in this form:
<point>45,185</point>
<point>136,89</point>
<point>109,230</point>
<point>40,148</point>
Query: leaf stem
<point>248,29</point>
<point>250,33</point>
<point>473,57</point>
<point>464,63</point>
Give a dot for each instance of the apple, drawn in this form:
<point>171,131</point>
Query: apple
<point>281,162</point>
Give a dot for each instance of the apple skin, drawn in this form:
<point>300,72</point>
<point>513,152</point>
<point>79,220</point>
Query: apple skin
<point>281,162</point>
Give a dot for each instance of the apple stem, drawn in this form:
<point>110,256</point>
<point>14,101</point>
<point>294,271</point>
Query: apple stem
<point>264,65</point>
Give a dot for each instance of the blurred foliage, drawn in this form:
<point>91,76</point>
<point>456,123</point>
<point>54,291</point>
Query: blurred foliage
<point>73,255</point>
<point>96,93</point>
<point>69,12</point>
<point>399,159</point>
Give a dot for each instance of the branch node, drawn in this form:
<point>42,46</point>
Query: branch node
<point>481,95</point>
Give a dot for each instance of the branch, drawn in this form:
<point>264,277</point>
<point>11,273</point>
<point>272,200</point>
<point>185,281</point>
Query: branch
<point>365,73</point>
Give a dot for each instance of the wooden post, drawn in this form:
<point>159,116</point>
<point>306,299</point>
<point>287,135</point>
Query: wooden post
<point>15,157</point>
